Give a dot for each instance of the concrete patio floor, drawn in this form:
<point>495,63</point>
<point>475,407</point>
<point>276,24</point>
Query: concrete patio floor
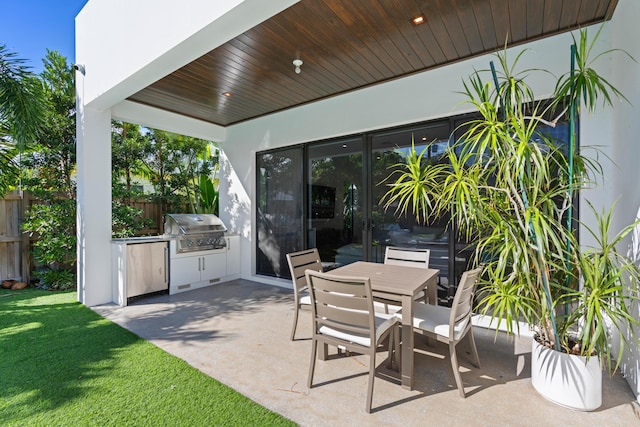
<point>238,333</point>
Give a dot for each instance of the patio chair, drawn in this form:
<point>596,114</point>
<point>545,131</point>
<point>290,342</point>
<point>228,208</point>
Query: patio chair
<point>299,262</point>
<point>450,325</point>
<point>408,257</point>
<point>343,316</point>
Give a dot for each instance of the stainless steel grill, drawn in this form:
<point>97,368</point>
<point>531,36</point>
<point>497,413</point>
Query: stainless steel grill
<point>195,232</point>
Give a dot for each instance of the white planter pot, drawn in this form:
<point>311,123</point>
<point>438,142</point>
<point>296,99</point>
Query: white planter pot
<point>566,379</point>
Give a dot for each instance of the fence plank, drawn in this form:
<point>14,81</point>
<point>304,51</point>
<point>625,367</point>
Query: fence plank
<point>15,246</point>
<point>10,236</point>
<point>25,246</point>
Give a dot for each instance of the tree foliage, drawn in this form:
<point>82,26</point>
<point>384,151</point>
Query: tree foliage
<point>48,166</point>
<point>128,147</point>
<point>21,113</point>
<point>38,115</point>
<point>174,164</point>
<point>49,163</point>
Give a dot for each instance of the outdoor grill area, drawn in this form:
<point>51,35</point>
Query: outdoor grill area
<point>200,252</point>
<point>195,232</point>
<point>194,252</point>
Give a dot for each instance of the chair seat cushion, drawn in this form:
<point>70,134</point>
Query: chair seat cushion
<point>435,319</point>
<point>383,323</point>
<point>305,300</point>
<point>381,307</point>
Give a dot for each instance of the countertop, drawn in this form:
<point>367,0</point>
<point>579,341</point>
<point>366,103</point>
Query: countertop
<point>143,239</point>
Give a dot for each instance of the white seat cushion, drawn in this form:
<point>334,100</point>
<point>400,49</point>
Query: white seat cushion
<point>380,307</point>
<point>305,300</point>
<point>383,323</point>
<point>435,319</point>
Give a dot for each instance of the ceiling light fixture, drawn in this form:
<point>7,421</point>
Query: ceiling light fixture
<point>297,63</point>
<point>227,94</point>
<point>420,19</point>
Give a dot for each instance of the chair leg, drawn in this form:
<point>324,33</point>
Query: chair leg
<point>312,365</point>
<point>474,349</point>
<point>372,374</point>
<point>454,365</point>
<point>325,351</point>
<point>394,347</point>
<point>295,323</point>
<point>398,352</point>
<point>391,348</point>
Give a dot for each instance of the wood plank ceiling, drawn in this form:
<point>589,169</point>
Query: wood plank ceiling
<point>350,44</point>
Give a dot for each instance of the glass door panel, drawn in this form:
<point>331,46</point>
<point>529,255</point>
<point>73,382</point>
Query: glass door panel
<point>279,212</point>
<point>336,186</point>
<point>389,228</point>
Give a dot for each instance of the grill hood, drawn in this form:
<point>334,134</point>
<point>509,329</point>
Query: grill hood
<point>188,224</point>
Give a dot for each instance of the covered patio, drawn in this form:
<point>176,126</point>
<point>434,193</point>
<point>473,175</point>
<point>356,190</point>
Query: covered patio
<point>238,333</point>
<point>223,71</point>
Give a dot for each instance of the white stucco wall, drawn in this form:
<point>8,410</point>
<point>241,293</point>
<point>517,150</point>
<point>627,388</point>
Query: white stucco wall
<point>626,150</point>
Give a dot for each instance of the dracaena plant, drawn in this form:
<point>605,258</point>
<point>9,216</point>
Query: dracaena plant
<point>509,187</point>
<point>609,291</point>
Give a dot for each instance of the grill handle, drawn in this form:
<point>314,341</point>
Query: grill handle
<point>166,266</point>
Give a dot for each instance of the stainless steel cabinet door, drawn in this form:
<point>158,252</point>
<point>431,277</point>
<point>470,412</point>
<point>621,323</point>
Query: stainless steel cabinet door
<point>146,268</point>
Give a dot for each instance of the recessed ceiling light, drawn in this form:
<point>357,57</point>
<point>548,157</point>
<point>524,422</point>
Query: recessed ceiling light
<point>344,145</point>
<point>420,19</point>
<point>227,94</point>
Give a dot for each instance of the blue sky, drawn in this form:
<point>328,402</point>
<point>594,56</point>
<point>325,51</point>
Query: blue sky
<point>30,27</point>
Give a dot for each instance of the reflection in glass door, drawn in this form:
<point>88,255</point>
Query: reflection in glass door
<point>389,228</point>
<point>279,209</point>
<point>336,190</point>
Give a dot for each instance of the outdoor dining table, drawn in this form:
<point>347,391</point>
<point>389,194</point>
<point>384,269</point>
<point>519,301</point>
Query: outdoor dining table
<point>401,284</point>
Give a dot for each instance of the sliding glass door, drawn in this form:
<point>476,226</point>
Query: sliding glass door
<point>336,190</point>
<point>279,209</point>
<point>329,195</point>
<point>390,228</point>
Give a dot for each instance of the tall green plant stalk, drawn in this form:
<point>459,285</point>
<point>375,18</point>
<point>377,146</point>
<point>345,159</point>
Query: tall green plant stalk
<point>572,147</point>
<point>535,238</point>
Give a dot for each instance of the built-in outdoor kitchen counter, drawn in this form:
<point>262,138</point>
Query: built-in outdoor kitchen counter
<point>186,257</point>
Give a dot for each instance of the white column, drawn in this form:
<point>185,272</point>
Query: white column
<point>626,152</point>
<point>93,152</point>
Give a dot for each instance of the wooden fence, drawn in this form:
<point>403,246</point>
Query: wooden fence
<point>15,246</point>
<point>152,211</point>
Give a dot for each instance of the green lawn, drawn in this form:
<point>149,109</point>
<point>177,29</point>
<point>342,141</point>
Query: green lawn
<point>62,364</point>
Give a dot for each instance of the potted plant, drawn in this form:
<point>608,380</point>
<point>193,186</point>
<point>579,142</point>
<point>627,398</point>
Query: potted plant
<point>573,377</point>
<point>510,186</point>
